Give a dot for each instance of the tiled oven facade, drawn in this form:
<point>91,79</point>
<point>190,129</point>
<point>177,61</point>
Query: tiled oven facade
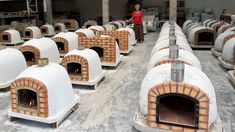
<point>32,49</point>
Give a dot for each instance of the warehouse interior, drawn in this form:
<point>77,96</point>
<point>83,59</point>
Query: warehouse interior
<point>117,65</point>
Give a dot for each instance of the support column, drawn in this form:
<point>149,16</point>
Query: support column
<point>47,9</point>
<point>105,11</point>
<point>173,10</point>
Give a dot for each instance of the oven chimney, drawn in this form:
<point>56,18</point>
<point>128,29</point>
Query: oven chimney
<point>174,52</point>
<point>172,40</point>
<point>43,62</point>
<point>177,71</point>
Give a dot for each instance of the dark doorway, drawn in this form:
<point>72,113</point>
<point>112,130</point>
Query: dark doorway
<point>60,46</point>
<point>27,33</point>
<point>67,24</point>
<point>27,99</point>
<point>74,68</point>
<point>29,56</point>
<point>44,30</point>
<point>57,29</point>
<point>5,38</point>
<point>176,109</point>
<point>205,38</point>
<point>99,51</point>
<point>117,40</point>
<point>87,26</point>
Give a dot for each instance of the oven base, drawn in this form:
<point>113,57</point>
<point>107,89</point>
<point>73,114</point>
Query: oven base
<point>134,43</point>
<point>225,64</point>
<point>108,64</point>
<point>232,76</point>
<point>93,83</point>
<point>6,85</point>
<point>12,44</point>
<point>201,46</point>
<point>126,52</point>
<point>49,35</point>
<point>139,122</point>
<point>53,121</point>
<point>215,53</point>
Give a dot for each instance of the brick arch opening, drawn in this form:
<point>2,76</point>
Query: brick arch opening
<point>28,33</point>
<point>58,28</point>
<point>167,61</point>
<point>98,50</point>
<point>31,54</point>
<point>172,91</point>
<point>80,34</point>
<point>30,97</point>
<point>205,37</point>
<point>62,45</point>
<point>6,37</point>
<point>44,30</point>
<point>77,67</point>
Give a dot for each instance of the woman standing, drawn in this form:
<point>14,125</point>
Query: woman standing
<point>137,17</point>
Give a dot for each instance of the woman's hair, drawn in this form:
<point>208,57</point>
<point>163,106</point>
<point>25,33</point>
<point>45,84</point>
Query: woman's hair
<point>139,5</point>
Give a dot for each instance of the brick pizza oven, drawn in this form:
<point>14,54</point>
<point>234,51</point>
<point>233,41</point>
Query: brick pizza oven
<point>83,66</point>
<point>228,52</point>
<point>11,37</point>
<point>109,27</point>
<point>70,24</point>
<point>172,100</point>
<point>33,94</point>
<point>47,30</point>
<point>35,49</point>
<point>85,33</point>
<point>173,53</point>
<point>105,46</point>
<point>12,66</point>
<point>217,25</point>
<point>31,33</point>
<point>59,27</point>
<point>223,28</point>
<point>89,23</point>
<point>122,39</point>
<point>96,29</point>
<point>131,33</point>
<point>66,42</point>
<point>202,36</point>
<point>220,42</point>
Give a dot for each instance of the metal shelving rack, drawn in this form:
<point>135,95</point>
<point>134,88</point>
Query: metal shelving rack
<point>31,11</point>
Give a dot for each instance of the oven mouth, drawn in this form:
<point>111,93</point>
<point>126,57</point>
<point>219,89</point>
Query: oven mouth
<point>27,99</point>
<point>205,38</point>
<point>87,26</point>
<point>29,56</point>
<point>67,24</point>
<point>60,46</point>
<point>99,51</point>
<point>57,29</point>
<point>118,42</point>
<point>5,38</point>
<point>178,110</point>
<point>27,33</point>
<point>74,68</point>
<point>44,30</point>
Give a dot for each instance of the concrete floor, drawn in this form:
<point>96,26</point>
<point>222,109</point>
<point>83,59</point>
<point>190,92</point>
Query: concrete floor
<point>111,107</point>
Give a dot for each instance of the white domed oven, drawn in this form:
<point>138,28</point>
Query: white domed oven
<point>173,53</point>
<point>66,42</point>
<point>83,67</point>
<point>202,36</point>
<point>122,38</point>
<point>223,28</point>
<point>85,33</point>
<point>217,25</point>
<point>109,27</point>
<point>70,24</point>
<point>220,41</point>
<point>96,29</point>
<point>132,34</point>
<point>177,97</point>
<point>32,32</point>
<point>36,96</point>
<point>59,27</point>
<point>228,54</point>
<point>106,47</point>
<point>35,49</point>
<point>11,37</point>
<point>47,30</point>
<point>117,24</point>
<point>90,23</point>
<point>12,63</point>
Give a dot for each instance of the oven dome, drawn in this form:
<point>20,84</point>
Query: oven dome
<point>12,63</point>
<point>47,30</point>
<point>219,42</point>
<point>11,37</point>
<point>59,27</point>
<point>97,28</point>
<point>85,33</point>
<point>162,57</point>
<point>32,32</point>
<point>161,75</point>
